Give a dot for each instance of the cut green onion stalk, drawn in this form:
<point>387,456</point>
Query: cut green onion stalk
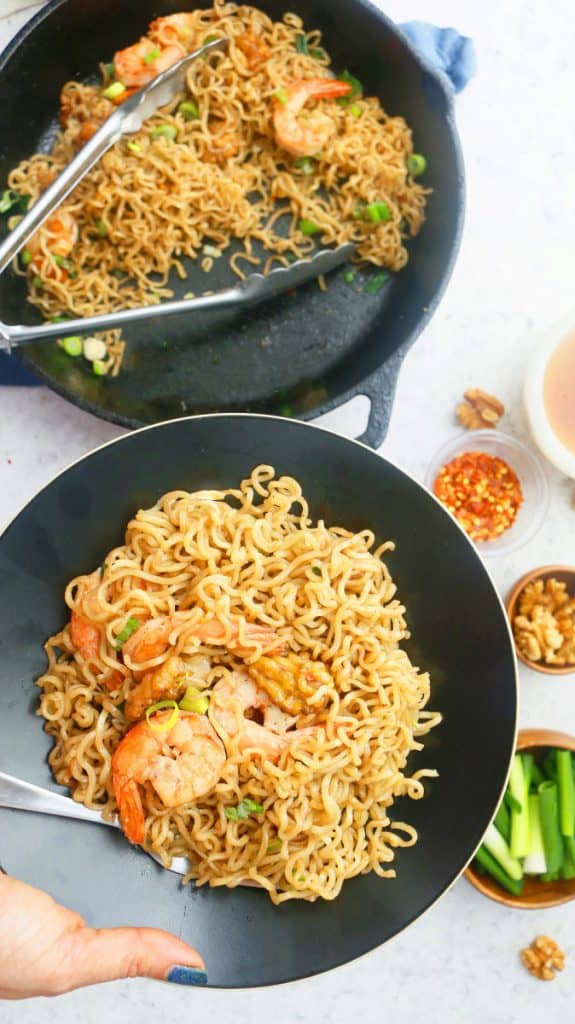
<point>355,110</point>
<point>568,868</point>
<point>549,814</point>
<point>100,368</point>
<point>26,257</point>
<point>11,198</point>
<point>535,863</point>
<point>163,705</point>
<point>243,810</point>
<point>377,212</point>
<point>416,164</point>
<point>281,95</point>
<point>101,227</point>
<point>495,844</point>
<point>301,44</point>
<point>566,792</point>
<point>164,131</point>
<point>376,284</point>
<point>316,569</point>
<point>502,821</point>
<point>520,813</point>
<point>307,227</point>
<point>37,282</point>
<point>189,110</point>
<point>131,626</point>
<point>72,346</point>
<point>305,164</point>
<point>317,53</point>
<point>355,92</point>
<point>152,56</point>
<point>494,869</point>
<point>114,90</point>
<point>194,700</point>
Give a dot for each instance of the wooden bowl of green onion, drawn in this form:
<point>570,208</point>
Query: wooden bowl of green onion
<point>527,857</point>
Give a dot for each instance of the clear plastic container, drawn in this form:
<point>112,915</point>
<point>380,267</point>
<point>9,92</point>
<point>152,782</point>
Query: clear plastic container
<point>529,469</point>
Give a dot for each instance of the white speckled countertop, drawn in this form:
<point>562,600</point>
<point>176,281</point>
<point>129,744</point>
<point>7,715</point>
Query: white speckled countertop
<point>459,963</point>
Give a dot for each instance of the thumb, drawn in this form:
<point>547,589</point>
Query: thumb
<point>114,953</point>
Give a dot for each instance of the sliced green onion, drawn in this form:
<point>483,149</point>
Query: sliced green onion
<point>94,349</point>
<point>535,863</point>
<point>131,626</point>
<point>152,55</point>
<point>102,227</point>
<point>566,793</point>
<point>502,821</point>
<point>11,198</point>
<point>316,569</point>
<point>26,257</point>
<point>275,846</point>
<point>72,346</point>
<point>490,865</point>
<point>317,53</point>
<point>348,276</point>
<point>301,44</point>
<point>281,95</point>
<point>243,810</point>
<point>376,284</point>
<point>355,110</point>
<point>59,319</point>
<point>189,110</point>
<point>307,227</point>
<point>286,410</point>
<point>103,568</point>
<point>519,817</point>
<point>356,89</point>
<point>164,131</point>
<point>549,814</point>
<point>359,211</point>
<point>495,844</point>
<point>416,164</point>
<point>37,281</point>
<point>110,70</point>
<point>100,368</point>
<point>114,90</point>
<point>134,147</point>
<point>377,212</point>
<point>163,705</point>
<point>194,700</point>
<point>63,262</point>
<point>305,164</point>
<point>210,39</point>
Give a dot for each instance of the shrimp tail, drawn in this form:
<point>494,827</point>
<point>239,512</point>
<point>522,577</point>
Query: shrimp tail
<point>131,808</point>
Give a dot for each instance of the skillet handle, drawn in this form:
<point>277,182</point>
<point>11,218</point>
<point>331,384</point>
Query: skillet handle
<point>380,389</point>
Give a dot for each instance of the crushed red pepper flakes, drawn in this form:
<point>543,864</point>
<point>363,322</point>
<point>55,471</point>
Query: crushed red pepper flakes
<point>483,493</point>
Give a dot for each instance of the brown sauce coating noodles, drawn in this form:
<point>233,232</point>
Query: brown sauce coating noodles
<point>151,202</point>
<point>253,553</point>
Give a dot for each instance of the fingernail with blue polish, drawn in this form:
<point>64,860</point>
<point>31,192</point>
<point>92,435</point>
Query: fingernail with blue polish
<point>180,975</point>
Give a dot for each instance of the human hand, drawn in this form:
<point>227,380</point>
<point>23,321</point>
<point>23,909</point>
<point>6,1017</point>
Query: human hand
<point>46,949</point>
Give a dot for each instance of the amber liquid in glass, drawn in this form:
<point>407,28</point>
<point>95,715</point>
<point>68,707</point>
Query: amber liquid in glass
<point>559,391</point>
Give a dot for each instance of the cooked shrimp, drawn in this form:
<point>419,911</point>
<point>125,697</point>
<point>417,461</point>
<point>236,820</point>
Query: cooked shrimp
<point>232,699</point>
<point>304,137</point>
<point>152,639</point>
<point>254,48</point>
<point>57,237</point>
<point>190,770</point>
<point>139,64</point>
<point>84,634</point>
<point>166,681</point>
<point>176,28</point>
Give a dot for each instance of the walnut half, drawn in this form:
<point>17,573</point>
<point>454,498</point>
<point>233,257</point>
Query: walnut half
<point>479,410</point>
<point>543,958</point>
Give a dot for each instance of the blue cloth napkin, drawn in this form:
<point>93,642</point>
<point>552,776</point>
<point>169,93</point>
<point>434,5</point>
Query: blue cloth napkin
<point>446,49</point>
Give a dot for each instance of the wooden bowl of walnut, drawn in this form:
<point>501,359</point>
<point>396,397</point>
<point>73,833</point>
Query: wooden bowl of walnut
<point>541,609</point>
<point>536,895</point>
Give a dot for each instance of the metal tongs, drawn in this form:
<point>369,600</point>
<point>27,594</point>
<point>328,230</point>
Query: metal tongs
<point>126,120</point>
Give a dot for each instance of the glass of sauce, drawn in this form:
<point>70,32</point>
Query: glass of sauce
<point>549,395</point>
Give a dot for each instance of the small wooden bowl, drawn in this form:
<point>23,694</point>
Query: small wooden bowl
<point>536,895</point>
<point>563,573</point>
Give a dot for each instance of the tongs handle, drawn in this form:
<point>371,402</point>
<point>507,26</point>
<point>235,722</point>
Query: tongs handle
<point>24,796</point>
<point>55,194</point>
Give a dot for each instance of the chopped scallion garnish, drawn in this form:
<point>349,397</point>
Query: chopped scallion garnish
<point>134,147</point>
<point>102,228</point>
<point>189,110</point>
<point>317,53</point>
<point>243,810</point>
<point>103,568</point>
<point>307,227</point>
<point>131,626</point>
<point>164,131</point>
<point>163,705</point>
<point>275,846</point>
<point>11,198</point>
<point>26,257</point>
<point>110,70</point>
<point>355,110</point>
<point>416,164</point>
<point>72,346</point>
<point>152,56</point>
<point>37,281</point>
<point>376,284</point>
<point>305,164</point>
<point>356,89</point>
<point>114,90</point>
<point>377,212</point>
<point>281,95</point>
<point>348,276</point>
<point>194,700</point>
<point>301,44</point>
<point>100,368</point>
<point>316,569</point>
<point>63,262</point>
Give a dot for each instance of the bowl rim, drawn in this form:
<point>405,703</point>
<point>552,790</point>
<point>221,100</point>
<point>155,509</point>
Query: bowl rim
<point>542,433</point>
<point>511,602</point>
<point>526,740</point>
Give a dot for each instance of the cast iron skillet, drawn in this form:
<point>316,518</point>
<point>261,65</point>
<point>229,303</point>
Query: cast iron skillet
<point>460,634</point>
<point>301,355</point>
